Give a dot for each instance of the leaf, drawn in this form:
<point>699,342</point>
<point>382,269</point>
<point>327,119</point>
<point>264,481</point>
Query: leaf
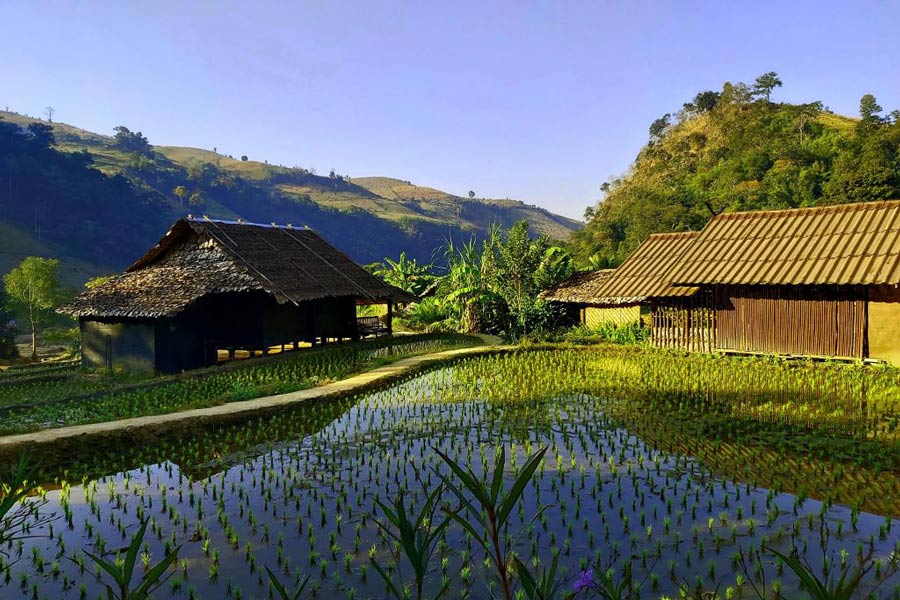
<point>809,581</point>
<point>110,568</point>
<point>387,581</point>
<point>518,487</point>
<point>152,578</point>
<point>468,480</point>
<point>131,556</point>
<point>499,467</point>
<point>277,585</point>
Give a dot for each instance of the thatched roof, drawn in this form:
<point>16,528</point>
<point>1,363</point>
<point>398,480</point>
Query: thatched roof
<point>580,288</point>
<point>198,257</point>
<point>845,244</point>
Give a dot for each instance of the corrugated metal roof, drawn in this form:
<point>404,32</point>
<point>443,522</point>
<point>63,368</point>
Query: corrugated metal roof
<point>580,288</point>
<point>644,274</point>
<point>845,244</point>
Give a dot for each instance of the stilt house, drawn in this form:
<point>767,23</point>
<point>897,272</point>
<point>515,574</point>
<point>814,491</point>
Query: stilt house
<point>212,286</point>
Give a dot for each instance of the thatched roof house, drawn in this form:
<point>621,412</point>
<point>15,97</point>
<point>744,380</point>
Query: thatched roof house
<point>579,288</point>
<point>211,284</point>
<point>578,296</point>
<point>817,281</point>
<point>616,296</point>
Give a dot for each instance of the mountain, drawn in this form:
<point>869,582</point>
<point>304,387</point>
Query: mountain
<point>736,150</point>
<point>99,201</point>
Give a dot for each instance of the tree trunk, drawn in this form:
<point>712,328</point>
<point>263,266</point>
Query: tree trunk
<point>33,342</point>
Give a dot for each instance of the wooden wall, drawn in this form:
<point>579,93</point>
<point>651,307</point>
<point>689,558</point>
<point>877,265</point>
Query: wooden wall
<point>827,321</point>
<point>683,323</point>
<point>884,324</point>
<point>118,346</point>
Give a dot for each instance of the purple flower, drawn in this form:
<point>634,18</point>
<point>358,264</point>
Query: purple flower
<point>584,580</point>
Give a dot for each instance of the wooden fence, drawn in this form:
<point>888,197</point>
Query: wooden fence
<point>684,323</point>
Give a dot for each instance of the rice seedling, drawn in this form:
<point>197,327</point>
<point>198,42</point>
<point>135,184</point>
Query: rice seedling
<point>658,470</point>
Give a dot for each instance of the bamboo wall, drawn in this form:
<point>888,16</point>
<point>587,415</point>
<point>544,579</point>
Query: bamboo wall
<point>618,316</point>
<point>684,323</point>
<point>799,320</point>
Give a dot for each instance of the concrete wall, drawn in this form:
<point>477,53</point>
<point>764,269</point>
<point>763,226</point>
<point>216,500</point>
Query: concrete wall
<point>884,324</point>
<point>128,346</point>
<point>593,316</point>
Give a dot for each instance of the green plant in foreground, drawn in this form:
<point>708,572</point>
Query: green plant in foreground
<point>18,512</point>
<point>417,534</point>
<point>122,572</point>
<point>848,583</point>
<point>281,590</point>
<point>484,514</point>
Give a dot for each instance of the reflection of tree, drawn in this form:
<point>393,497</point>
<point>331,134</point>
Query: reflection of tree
<point>849,471</point>
<point>520,418</point>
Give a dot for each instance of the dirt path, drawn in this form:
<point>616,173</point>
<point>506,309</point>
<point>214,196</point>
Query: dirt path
<point>247,407</point>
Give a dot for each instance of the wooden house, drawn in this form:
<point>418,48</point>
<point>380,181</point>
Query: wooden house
<point>679,315</point>
<point>819,282</point>
<point>212,286</point>
<point>639,292</point>
<point>578,297</point>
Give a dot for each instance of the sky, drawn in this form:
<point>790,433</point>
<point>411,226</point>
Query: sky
<point>537,101</point>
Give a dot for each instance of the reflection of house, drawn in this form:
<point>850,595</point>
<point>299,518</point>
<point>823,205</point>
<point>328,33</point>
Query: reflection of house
<point>578,296</point>
<point>215,285</point>
<point>812,281</point>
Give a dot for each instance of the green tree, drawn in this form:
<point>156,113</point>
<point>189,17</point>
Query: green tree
<point>870,117</point>
<point>659,126</point>
<point>524,266</point>
<point>41,134</point>
<point>197,201</point>
<point>765,84</point>
<point>869,108</point>
<point>32,292</point>
<point>706,101</point>
<point>132,142</point>
<point>466,291</point>
<point>181,192</point>
<point>742,155</point>
<point>404,273</point>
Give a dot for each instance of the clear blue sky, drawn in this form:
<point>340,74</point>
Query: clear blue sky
<point>536,101</point>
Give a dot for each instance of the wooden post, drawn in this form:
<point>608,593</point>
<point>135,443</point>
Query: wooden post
<point>390,318</point>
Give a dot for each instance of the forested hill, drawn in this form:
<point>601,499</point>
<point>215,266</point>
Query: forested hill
<point>98,202</point>
<point>737,150</point>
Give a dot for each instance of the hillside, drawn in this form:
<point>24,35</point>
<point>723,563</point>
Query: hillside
<point>736,150</point>
<point>395,215</point>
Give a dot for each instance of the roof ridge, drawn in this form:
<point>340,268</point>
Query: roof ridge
<point>272,225</point>
<point>672,234</point>
<point>828,208</point>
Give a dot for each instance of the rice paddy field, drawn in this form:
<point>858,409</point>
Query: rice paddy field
<point>668,475</point>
